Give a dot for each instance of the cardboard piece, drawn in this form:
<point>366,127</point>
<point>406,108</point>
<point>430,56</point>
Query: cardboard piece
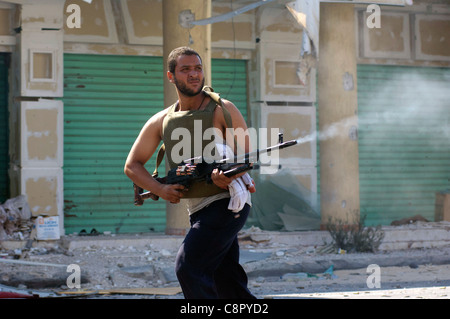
<point>47,228</point>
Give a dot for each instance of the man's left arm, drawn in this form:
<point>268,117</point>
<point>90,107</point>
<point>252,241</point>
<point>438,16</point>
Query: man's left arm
<point>243,142</point>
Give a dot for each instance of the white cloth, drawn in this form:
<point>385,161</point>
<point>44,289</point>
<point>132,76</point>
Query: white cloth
<point>239,192</point>
<point>238,188</point>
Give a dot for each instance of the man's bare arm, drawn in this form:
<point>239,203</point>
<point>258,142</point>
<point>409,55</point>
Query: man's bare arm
<point>141,151</point>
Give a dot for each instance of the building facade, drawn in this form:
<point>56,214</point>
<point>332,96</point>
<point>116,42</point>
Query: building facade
<point>78,80</point>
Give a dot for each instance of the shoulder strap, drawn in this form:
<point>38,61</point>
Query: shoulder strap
<point>159,158</point>
<point>216,98</point>
<point>226,114</point>
<point>162,148</point>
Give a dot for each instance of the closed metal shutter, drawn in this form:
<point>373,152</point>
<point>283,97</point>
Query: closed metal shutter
<point>229,78</point>
<point>4,130</point>
<point>107,100</point>
<point>404,140</point>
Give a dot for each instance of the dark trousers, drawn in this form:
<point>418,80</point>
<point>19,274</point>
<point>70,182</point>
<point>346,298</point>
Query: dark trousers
<point>207,264</point>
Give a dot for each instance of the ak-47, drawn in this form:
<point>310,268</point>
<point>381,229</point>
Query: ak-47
<point>196,170</point>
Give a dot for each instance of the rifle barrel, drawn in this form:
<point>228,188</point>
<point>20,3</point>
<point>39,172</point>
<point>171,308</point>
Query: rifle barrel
<point>256,153</point>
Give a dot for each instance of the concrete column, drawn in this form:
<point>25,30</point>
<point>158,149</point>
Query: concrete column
<point>174,35</point>
<point>36,116</point>
<point>339,167</point>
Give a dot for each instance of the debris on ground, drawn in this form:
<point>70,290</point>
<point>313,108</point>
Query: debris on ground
<point>409,220</point>
<point>16,222</point>
<point>142,266</point>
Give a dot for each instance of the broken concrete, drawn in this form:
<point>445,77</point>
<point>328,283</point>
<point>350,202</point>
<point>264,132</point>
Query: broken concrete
<point>319,263</point>
<point>32,278</point>
<point>147,261</point>
<point>15,219</point>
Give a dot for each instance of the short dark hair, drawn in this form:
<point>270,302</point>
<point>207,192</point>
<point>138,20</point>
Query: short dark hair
<point>173,56</point>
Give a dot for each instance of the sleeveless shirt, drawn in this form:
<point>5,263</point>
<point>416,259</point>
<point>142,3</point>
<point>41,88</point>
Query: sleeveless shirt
<point>189,121</point>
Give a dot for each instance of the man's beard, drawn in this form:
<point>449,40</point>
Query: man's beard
<point>185,91</point>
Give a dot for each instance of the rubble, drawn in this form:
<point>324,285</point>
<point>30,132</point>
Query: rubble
<point>142,266</point>
<point>409,220</point>
<point>16,222</point>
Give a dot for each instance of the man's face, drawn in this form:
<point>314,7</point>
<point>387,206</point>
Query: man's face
<point>188,76</point>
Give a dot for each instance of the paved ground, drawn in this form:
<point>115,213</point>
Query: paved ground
<point>275,270</point>
<point>424,282</point>
<point>439,292</point>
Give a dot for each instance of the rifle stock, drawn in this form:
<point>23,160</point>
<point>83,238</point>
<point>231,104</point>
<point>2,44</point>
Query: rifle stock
<point>140,195</point>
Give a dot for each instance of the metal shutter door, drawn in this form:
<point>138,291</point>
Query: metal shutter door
<point>404,140</point>
<point>107,100</point>
<point>229,78</point>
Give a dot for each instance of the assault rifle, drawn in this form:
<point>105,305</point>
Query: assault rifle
<point>197,169</point>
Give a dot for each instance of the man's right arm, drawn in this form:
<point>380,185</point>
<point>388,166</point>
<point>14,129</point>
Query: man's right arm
<point>141,151</point>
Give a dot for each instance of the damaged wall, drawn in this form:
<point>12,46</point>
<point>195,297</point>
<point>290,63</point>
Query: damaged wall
<point>279,58</point>
<point>36,121</point>
<point>284,96</point>
<point>432,37</point>
<point>97,23</point>
<point>7,19</point>
<point>413,35</point>
<point>135,27</point>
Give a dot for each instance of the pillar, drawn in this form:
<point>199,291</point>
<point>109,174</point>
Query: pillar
<point>339,167</point>
<point>175,35</point>
<point>36,112</point>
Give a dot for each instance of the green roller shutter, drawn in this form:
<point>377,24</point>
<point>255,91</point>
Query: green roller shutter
<point>404,140</point>
<point>229,78</point>
<point>107,100</point>
<point>4,130</point>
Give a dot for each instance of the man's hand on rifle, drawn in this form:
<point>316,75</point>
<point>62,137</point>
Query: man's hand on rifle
<point>219,178</point>
<point>222,181</point>
<point>252,188</point>
<point>171,192</point>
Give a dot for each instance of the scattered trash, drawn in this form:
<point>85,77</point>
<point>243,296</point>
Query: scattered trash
<point>327,274</point>
<point>327,249</point>
<point>16,222</point>
<point>298,276</point>
<point>409,220</point>
<point>15,295</point>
